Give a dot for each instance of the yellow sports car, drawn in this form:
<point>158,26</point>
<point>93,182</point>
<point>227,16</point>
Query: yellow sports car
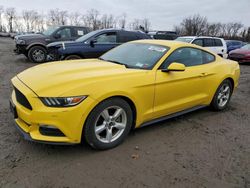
<point>133,85</point>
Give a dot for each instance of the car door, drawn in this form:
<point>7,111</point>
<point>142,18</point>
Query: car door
<point>176,91</point>
<point>101,44</point>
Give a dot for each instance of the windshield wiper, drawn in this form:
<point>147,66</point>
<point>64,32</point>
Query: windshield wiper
<point>116,62</point>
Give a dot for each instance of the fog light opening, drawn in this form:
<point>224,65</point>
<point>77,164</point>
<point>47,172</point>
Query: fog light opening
<point>50,130</point>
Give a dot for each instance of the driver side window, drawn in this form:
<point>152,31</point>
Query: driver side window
<point>187,56</point>
<point>65,33</point>
<point>106,38</point>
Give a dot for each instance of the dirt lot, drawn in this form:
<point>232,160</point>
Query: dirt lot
<point>200,149</point>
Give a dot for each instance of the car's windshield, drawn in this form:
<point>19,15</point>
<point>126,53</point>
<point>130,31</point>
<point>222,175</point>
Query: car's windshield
<point>246,47</point>
<point>50,30</point>
<point>136,55</point>
<point>184,39</point>
<point>87,36</point>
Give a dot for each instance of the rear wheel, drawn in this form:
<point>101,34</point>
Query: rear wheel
<point>222,96</point>
<point>37,54</point>
<point>72,57</point>
<point>108,124</point>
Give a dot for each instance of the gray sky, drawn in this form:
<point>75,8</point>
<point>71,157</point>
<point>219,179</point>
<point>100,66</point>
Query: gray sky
<point>163,14</point>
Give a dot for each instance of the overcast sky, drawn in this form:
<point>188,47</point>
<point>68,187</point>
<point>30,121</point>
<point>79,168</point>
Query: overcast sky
<point>163,14</point>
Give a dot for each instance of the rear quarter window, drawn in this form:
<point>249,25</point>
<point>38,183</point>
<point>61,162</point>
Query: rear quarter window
<point>127,36</point>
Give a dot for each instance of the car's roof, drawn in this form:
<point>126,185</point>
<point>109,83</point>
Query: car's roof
<point>121,30</point>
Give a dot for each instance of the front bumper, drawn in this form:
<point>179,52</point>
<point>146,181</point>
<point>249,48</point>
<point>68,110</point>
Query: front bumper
<point>20,49</point>
<point>68,121</point>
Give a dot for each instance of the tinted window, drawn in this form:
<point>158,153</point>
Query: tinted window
<point>198,42</point>
<point>106,38</point>
<point>218,42</point>
<point>127,36</point>
<point>65,33</point>
<point>208,42</point>
<point>189,57</point>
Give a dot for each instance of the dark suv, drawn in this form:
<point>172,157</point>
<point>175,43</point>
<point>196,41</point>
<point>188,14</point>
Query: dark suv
<point>33,46</point>
<point>93,44</point>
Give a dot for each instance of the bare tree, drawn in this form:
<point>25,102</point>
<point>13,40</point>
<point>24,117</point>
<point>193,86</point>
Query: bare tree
<point>75,18</point>
<point>135,25</point>
<point>30,18</point>
<point>1,18</point>
<point>10,14</point>
<point>108,21</point>
<point>145,23</point>
<point>91,19</point>
<point>57,17</point>
<point>213,29</point>
<point>63,16</point>
<point>122,21</point>
<point>194,25</point>
<point>18,24</point>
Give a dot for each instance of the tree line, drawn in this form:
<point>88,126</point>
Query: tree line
<point>198,25</point>
<point>34,21</point>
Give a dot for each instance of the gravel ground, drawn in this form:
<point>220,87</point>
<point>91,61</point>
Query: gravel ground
<point>200,149</point>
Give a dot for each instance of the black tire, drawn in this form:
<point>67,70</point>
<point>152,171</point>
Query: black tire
<point>89,131</point>
<point>72,57</point>
<point>216,103</point>
<point>37,54</point>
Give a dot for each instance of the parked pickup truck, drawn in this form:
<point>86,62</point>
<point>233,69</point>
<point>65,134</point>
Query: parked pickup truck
<point>33,46</point>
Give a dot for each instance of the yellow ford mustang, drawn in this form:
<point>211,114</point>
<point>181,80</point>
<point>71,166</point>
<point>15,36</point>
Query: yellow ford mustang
<point>133,85</point>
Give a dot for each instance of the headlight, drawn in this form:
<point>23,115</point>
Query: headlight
<point>62,101</point>
<point>20,41</point>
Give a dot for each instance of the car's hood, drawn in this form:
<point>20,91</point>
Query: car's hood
<point>58,78</point>
<point>240,51</point>
<point>31,36</point>
<point>63,43</point>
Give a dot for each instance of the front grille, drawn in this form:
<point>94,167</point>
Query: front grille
<point>21,99</point>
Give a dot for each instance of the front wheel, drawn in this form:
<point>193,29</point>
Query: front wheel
<point>37,54</point>
<point>108,124</point>
<point>222,96</point>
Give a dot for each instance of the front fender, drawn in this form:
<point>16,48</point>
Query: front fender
<point>36,44</point>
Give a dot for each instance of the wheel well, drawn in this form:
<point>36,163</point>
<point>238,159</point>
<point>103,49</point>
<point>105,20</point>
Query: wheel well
<point>232,81</point>
<point>132,106</point>
<point>72,55</point>
<point>37,45</point>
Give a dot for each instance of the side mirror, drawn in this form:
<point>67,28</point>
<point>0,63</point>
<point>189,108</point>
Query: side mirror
<point>57,36</point>
<point>175,67</point>
<point>92,42</point>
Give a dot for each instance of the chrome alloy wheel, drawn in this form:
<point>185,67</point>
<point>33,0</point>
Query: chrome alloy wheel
<point>224,95</point>
<point>38,55</point>
<point>110,124</point>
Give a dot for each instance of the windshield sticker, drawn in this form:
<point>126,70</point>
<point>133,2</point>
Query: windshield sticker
<point>139,64</point>
<point>157,49</point>
<point>80,33</point>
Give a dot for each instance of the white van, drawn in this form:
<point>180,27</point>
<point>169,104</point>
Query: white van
<point>215,44</point>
